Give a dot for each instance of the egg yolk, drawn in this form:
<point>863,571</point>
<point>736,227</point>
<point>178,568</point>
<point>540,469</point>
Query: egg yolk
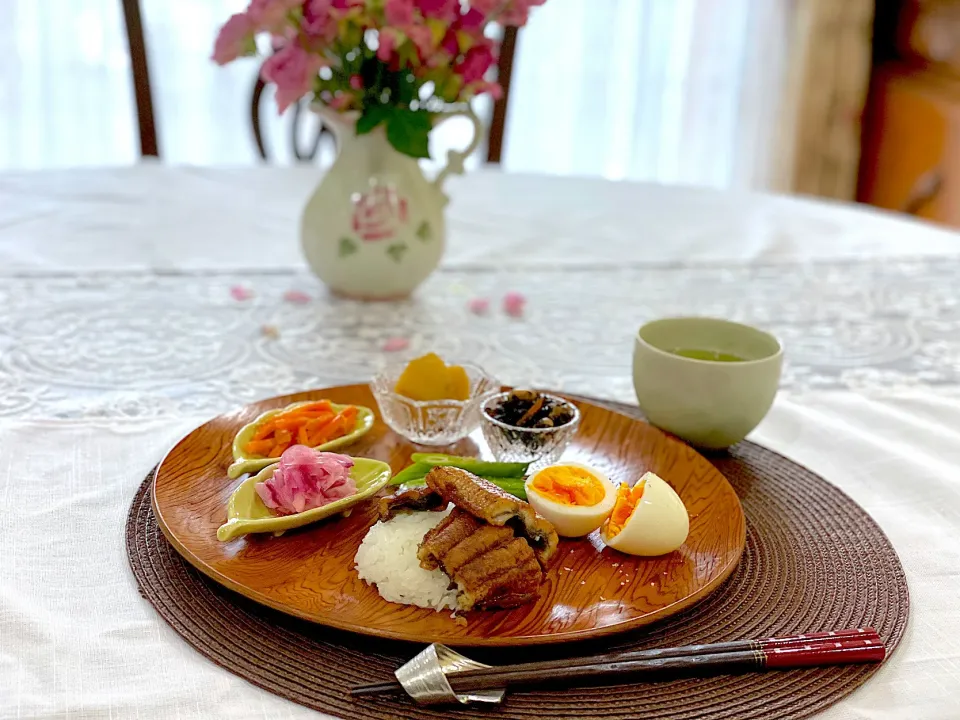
<point>569,486</point>
<point>626,503</point>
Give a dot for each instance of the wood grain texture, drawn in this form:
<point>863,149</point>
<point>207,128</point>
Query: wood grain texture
<point>590,590</point>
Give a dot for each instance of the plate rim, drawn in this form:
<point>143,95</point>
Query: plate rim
<point>495,641</point>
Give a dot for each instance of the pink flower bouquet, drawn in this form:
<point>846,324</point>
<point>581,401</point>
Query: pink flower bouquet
<point>395,62</point>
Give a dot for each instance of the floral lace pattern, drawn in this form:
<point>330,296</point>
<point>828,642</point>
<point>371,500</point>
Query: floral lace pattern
<point>156,345</point>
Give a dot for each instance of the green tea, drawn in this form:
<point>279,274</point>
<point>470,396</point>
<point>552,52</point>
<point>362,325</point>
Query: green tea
<point>712,355</point>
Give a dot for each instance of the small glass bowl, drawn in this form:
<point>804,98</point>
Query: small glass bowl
<point>538,446</point>
<point>432,422</point>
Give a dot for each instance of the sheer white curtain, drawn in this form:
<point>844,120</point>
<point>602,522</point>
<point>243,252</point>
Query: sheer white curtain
<point>685,91</point>
<point>677,91</point>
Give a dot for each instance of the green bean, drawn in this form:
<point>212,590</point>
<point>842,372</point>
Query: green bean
<point>482,468</point>
<point>417,471</point>
<point>514,486</point>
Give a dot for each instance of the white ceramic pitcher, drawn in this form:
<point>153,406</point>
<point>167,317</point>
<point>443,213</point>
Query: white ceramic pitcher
<point>374,227</point>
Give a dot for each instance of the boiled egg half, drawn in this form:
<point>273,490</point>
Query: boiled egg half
<point>647,519</point>
<point>575,498</point>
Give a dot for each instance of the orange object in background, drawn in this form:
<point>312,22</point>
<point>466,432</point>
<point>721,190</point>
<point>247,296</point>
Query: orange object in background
<point>911,148</point>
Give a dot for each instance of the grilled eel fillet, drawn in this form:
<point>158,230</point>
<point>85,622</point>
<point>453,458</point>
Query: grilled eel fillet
<point>422,498</point>
<point>484,500</point>
<point>490,565</point>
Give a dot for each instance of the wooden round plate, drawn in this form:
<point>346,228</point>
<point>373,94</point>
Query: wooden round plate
<point>589,591</point>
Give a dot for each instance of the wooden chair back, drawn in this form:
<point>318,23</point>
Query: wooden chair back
<point>141,78</point>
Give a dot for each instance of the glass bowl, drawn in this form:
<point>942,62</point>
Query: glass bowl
<point>538,446</point>
<point>432,422</point>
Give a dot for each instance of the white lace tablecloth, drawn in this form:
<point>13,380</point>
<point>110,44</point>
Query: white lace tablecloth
<point>118,334</point>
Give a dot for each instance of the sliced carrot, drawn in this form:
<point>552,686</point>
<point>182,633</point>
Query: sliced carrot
<point>324,435</point>
<point>258,447</point>
<point>320,423</point>
<point>290,424</point>
<point>343,426</point>
<point>313,411</point>
<point>313,407</point>
<point>263,430</point>
<point>311,425</point>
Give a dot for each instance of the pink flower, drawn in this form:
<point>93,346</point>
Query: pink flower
<point>297,297</point>
<point>293,70</point>
<point>356,82</point>
<point>396,344</point>
<point>496,92</point>
<point>420,36</point>
<point>388,43</point>
<point>446,10</point>
<point>270,14</point>
<point>518,12</point>
<point>241,293</point>
<point>485,7</point>
<point>340,101</point>
<point>315,11</point>
<point>472,21</point>
<point>513,304</point>
<point>475,63</point>
<point>478,306</point>
<point>234,39</point>
<point>398,12</point>
<point>317,20</point>
<point>450,44</point>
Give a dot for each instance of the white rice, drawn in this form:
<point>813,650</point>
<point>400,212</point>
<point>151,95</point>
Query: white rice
<point>387,558</point>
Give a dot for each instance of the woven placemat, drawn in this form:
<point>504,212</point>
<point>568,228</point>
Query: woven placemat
<point>814,560</point>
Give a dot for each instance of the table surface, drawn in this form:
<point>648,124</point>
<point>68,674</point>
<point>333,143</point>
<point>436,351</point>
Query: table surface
<point>119,334</point>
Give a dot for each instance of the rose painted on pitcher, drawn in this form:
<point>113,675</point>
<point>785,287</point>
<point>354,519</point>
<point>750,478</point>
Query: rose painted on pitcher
<point>379,214</point>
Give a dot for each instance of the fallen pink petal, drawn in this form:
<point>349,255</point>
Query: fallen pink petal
<point>297,297</point>
<point>396,344</point>
<point>513,304</point>
<point>479,306</point>
<point>241,293</point>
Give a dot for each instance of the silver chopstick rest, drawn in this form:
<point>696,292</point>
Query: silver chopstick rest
<point>425,678</point>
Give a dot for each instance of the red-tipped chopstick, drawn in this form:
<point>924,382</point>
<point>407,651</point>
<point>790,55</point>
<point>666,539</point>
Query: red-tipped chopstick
<point>859,645</point>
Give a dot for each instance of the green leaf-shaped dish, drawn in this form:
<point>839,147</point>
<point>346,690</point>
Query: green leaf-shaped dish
<point>244,463</point>
<point>246,512</point>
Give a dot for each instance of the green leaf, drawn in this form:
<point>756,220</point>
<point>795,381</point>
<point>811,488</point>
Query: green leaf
<point>396,251</point>
<point>372,116</point>
<point>348,246</point>
<point>249,46</point>
<point>423,232</point>
<point>371,72</point>
<point>406,88</point>
<point>407,55</point>
<point>409,131</point>
<point>450,88</point>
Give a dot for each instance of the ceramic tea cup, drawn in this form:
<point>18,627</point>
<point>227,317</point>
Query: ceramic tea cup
<point>717,389</point>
